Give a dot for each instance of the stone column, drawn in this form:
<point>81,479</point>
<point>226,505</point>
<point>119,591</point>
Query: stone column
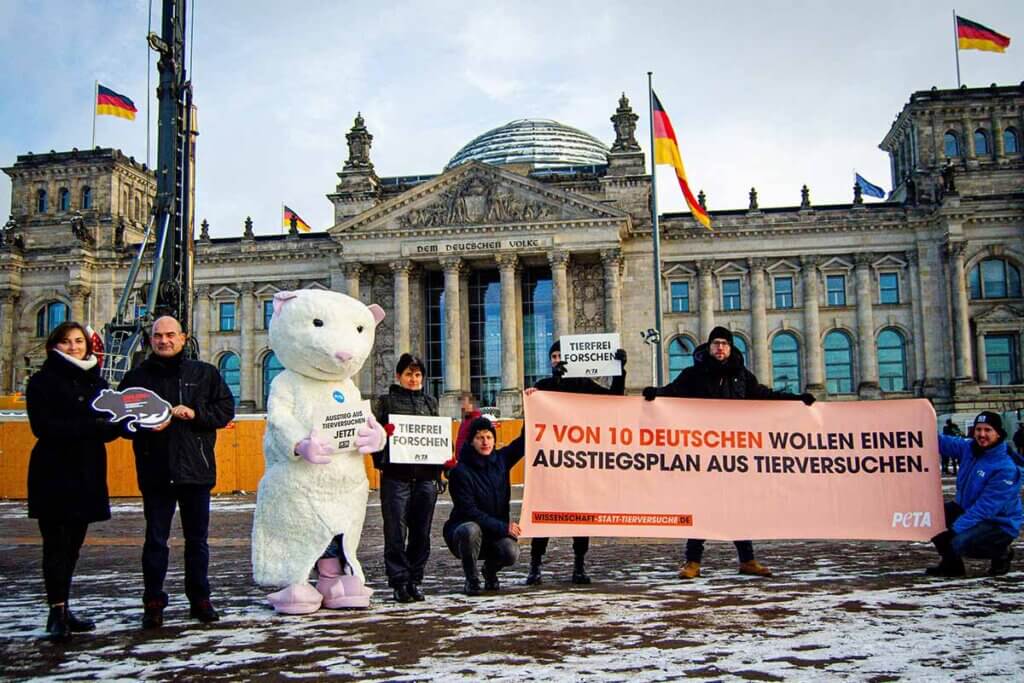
<point>812,326</point>
<point>961,313</point>
<point>7,299</point>
<point>400,270</point>
<point>510,397</point>
<point>247,332</point>
<point>612,260</point>
<point>968,151</point>
<point>917,306</point>
<point>998,148</point>
<point>758,319</point>
<point>353,271</point>
<point>78,293</point>
<point>559,261</point>
<point>453,336</point>
<point>979,341</point>
<point>868,387</point>
<point>202,331</point>
<point>707,299</point>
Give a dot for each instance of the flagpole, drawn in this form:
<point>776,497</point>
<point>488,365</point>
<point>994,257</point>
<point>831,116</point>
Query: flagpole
<point>95,97</point>
<point>956,49</point>
<point>149,70</point>
<point>656,236</point>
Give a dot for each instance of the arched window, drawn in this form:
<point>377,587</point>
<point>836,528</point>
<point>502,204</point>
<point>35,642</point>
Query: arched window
<point>838,363</point>
<point>41,203</point>
<point>271,368</point>
<point>786,363</point>
<point>63,199</point>
<point>951,143</point>
<point>892,361</point>
<point>680,356</point>
<point>86,197</point>
<point>230,370</point>
<point>741,345</point>
<point>994,278</point>
<point>981,142</point>
<point>49,316</point>
<point>1011,141</point>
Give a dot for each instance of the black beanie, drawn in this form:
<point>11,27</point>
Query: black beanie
<point>993,420</point>
<point>720,333</point>
<point>557,346</point>
<point>479,424</point>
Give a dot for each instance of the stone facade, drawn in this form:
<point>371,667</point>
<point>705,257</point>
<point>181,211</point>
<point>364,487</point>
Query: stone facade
<point>901,270</point>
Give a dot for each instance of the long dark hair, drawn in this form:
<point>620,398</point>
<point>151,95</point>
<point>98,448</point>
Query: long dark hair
<point>61,331</point>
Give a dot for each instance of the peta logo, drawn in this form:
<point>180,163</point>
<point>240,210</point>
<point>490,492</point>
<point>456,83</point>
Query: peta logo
<point>912,520</point>
<point>339,397</point>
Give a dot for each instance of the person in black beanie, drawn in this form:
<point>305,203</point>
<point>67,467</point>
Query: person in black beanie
<point>718,372</point>
<point>572,385</point>
<point>408,492</point>
<point>480,526</point>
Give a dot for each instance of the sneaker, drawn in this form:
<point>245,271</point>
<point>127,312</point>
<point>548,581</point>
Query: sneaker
<point>203,611</point>
<point>79,625</point>
<point>1000,565</point>
<point>401,593</point>
<point>472,587</point>
<point>690,570</point>
<point>947,569</point>
<point>754,568</point>
<point>153,614</point>
<point>533,577</point>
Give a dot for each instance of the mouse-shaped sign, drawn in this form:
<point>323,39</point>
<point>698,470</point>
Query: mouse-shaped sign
<point>140,407</point>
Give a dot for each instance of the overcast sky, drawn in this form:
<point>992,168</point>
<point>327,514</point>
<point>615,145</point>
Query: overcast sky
<point>765,94</point>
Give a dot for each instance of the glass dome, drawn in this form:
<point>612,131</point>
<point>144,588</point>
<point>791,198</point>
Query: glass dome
<point>542,143</point>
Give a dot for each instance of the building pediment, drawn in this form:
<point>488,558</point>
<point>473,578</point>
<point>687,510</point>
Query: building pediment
<point>1000,316</point>
<point>476,194</point>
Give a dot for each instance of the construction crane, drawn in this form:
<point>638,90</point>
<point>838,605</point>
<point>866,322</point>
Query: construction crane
<point>171,282</point>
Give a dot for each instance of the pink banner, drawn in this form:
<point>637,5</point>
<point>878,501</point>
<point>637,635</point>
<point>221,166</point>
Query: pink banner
<point>728,470</point>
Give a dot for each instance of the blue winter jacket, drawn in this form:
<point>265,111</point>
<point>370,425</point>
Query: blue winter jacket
<point>987,486</point>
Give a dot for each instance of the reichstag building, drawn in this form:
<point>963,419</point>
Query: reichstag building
<point>536,229</point>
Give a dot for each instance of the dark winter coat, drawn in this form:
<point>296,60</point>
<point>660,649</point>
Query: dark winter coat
<point>67,471</point>
<point>988,484</point>
<point>709,378</point>
<point>481,490</point>
<point>183,452</point>
<point>402,401</point>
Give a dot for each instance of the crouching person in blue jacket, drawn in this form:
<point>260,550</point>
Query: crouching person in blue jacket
<point>985,517</point>
<point>480,527</point>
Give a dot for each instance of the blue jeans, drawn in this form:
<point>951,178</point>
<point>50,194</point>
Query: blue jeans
<point>469,545</point>
<point>983,541</point>
<point>407,508</point>
<point>193,502</point>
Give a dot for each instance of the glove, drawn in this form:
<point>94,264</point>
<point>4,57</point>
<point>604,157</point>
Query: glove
<point>808,399</point>
<point>650,393</point>
<point>559,369</point>
<point>370,437</point>
<point>620,356</point>
<point>441,486</point>
<point>314,450</point>
<point>389,429</point>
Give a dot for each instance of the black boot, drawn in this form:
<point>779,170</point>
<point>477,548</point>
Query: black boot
<point>950,567</point>
<point>472,586</point>
<point>533,577</point>
<point>415,592</point>
<point>79,625</point>
<point>579,574</point>
<point>203,611</point>
<point>491,582</point>
<point>57,628</point>
<point>401,593</point>
<point>153,613</point>
<point>1001,565</point>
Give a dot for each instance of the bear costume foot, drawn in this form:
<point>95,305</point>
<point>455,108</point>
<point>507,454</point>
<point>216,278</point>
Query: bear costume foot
<point>340,591</point>
<point>298,598</point>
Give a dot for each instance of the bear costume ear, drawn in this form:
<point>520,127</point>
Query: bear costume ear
<point>281,298</point>
<point>378,313</point>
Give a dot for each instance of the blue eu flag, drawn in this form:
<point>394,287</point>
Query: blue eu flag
<point>868,188</point>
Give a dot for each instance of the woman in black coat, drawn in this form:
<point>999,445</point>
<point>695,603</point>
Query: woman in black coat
<point>67,472</point>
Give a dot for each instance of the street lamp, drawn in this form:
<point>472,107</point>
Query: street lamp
<point>652,337</point>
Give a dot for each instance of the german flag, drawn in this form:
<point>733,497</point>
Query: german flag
<point>300,225</point>
<point>971,35</point>
<point>110,103</point>
<point>666,151</point>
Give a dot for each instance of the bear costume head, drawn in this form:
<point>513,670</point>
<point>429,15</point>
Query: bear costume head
<point>323,335</point>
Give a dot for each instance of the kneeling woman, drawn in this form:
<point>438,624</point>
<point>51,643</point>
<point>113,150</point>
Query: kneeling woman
<point>67,472</point>
<point>479,527</point>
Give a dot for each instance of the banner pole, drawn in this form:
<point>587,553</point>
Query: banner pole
<point>656,236</point>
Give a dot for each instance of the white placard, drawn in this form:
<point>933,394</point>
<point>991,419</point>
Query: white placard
<point>591,355</point>
<point>339,427</point>
<point>420,440</point>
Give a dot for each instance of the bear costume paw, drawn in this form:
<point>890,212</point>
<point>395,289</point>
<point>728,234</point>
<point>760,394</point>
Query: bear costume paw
<point>299,598</point>
<point>370,437</point>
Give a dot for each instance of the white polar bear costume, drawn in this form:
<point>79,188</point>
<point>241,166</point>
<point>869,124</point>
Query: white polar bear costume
<point>309,493</point>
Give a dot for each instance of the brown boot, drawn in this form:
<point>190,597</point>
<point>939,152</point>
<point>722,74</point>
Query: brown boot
<point>754,568</point>
<point>690,570</point>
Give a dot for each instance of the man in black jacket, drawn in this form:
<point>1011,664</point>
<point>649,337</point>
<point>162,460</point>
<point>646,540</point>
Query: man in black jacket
<point>718,372</point>
<point>176,467</point>
<point>571,385</point>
